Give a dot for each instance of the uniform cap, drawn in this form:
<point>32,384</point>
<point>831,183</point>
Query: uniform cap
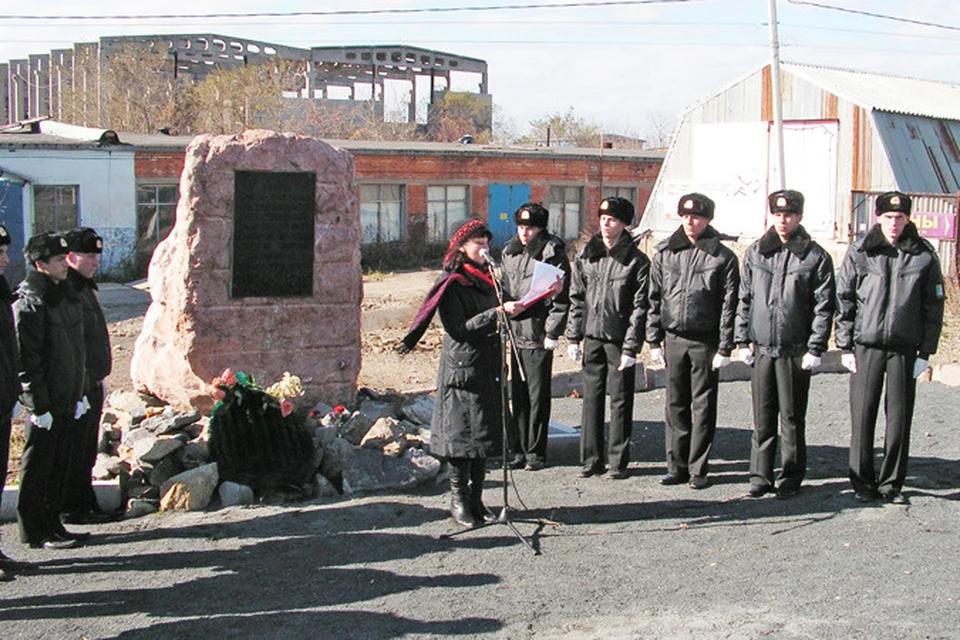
<point>696,204</point>
<point>619,208</point>
<point>531,214</point>
<point>894,201</point>
<point>44,246</point>
<point>786,201</point>
<point>84,240</point>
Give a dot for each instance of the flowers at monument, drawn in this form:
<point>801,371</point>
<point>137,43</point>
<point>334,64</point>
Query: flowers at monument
<point>288,387</point>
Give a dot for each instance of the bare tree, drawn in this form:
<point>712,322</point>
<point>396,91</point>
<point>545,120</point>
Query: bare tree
<point>232,100</point>
<point>458,114</point>
<point>139,88</point>
<point>563,129</point>
<point>660,128</point>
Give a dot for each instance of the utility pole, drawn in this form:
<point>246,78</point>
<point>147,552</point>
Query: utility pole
<point>777,96</point>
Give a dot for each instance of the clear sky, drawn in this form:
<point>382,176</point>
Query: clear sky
<point>616,65</point>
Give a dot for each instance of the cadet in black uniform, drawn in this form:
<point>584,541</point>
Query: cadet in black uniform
<point>9,387</point>
<point>79,500</point>
<point>890,296</point>
<point>535,332</point>
<point>608,309</point>
<point>787,293</point>
<point>49,320</point>
<point>693,306</point>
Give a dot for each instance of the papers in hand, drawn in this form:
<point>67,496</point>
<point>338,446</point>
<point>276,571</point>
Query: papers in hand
<point>544,277</point>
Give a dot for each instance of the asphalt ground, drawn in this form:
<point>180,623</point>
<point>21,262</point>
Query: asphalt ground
<point>614,559</point>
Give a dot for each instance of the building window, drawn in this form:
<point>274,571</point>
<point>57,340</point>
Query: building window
<point>565,206</point>
<point>156,213</point>
<point>381,212</point>
<point>446,210</point>
<point>627,193</point>
<point>55,208</point>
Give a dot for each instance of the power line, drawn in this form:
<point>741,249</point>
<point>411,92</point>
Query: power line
<point>358,12</point>
<point>871,14</point>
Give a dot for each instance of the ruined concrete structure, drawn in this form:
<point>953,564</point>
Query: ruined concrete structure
<point>31,87</point>
<point>261,272</point>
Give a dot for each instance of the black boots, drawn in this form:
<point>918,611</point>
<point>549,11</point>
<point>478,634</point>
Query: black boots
<point>478,471</point>
<point>460,501</point>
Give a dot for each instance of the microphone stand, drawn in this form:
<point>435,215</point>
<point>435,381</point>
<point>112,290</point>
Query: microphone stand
<point>506,337</point>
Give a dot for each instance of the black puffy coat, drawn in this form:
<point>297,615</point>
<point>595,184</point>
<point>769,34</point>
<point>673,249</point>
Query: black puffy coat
<point>9,352</point>
<point>547,317</point>
<point>787,295</point>
<point>49,319</point>
<point>99,357</point>
<point>467,413</point>
<point>608,293</point>
<point>693,290</point>
<point>890,297</point>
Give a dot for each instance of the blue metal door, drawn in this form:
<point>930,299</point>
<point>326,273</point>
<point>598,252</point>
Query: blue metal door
<point>504,200</point>
<point>11,215</point>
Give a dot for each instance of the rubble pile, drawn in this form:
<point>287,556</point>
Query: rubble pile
<point>164,459</point>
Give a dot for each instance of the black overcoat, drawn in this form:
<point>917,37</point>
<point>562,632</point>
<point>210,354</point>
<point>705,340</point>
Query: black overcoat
<point>466,416</point>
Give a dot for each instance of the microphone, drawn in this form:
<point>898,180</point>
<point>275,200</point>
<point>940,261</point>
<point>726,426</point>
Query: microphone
<point>489,258</point>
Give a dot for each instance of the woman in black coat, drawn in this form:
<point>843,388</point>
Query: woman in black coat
<point>466,425</point>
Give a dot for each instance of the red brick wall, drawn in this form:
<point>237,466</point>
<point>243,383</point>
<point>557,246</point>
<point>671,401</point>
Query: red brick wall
<point>417,171</point>
<point>162,165</point>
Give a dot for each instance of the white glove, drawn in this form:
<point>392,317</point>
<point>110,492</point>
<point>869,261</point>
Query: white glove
<point>656,355</point>
<point>720,361</point>
<point>549,343</point>
<point>919,366</point>
<point>82,407</point>
<point>746,356</point>
<point>44,421</point>
<point>849,362</point>
<point>626,362</point>
<point>574,352</point>
<point>809,362</point>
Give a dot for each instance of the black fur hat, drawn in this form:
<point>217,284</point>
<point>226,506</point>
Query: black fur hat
<point>619,208</point>
<point>786,201</point>
<point>531,214</point>
<point>84,240</point>
<point>44,246</point>
<point>696,204</point>
<point>894,201</point>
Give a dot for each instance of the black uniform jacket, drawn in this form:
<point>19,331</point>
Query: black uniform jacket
<point>99,358</point>
<point>787,295</point>
<point>693,290</point>
<point>49,319</point>
<point>9,352</point>
<point>608,293</point>
<point>547,317</point>
<point>890,297</point>
<point>466,414</point>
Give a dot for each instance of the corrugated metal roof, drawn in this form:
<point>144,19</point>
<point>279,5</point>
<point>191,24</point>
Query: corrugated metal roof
<point>895,94</point>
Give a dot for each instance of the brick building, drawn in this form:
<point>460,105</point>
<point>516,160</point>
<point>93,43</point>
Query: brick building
<point>409,192</point>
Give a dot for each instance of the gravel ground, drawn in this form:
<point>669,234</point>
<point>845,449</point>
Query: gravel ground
<point>628,559</point>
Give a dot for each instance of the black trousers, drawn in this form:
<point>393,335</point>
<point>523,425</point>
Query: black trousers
<point>691,404</point>
<point>43,470</point>
<point>891,374</point>
<point>78,493</point>
<point>780,388</point>
<point>600,362</point>
<point>5,428</point>
<point>530,400</point>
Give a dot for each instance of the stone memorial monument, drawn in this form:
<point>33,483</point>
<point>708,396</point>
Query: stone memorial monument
<point>261,272</point>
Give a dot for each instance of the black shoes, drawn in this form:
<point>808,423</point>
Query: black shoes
<point>785,493</point>
<point>865,496</point>
<point>591,470</point>
<point>535,464</point>
<point>56,541</point>
<point>895,497</point>
<point>616,474</point>
<point>699,482</point>
<point>673,478</point>
<point>758,490</point>
<point>518,462</point>
<point>79,536</point>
